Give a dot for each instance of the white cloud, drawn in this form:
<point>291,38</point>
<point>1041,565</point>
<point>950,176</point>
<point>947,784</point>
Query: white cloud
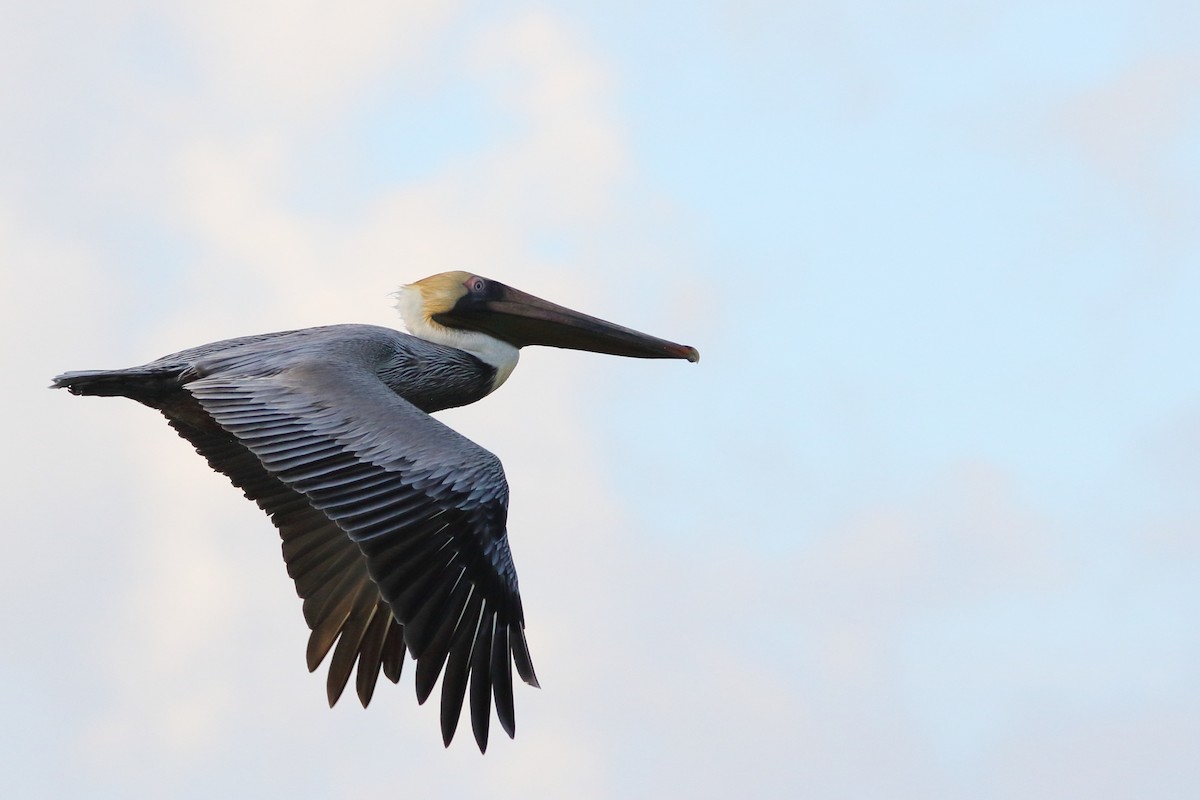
<point>279,59</point>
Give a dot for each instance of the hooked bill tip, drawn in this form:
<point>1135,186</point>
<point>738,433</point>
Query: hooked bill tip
<point>692,354</point>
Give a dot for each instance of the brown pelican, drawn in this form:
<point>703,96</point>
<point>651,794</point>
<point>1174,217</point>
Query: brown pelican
<point>393,525</point>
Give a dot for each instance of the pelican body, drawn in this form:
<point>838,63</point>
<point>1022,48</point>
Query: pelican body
<point>393,525</point>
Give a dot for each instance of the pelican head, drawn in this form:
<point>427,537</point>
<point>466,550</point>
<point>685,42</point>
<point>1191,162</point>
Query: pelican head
<point>492,321</point>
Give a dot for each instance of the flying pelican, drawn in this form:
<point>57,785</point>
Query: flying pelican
<point>393,525</point>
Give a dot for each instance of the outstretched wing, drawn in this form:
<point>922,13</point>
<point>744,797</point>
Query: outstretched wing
<point>426,508</point>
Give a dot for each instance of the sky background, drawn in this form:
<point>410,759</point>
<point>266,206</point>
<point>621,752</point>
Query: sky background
<point>923,523</point>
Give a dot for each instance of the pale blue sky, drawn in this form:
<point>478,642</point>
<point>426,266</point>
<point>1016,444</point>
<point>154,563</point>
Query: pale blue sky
<point>923,523</point>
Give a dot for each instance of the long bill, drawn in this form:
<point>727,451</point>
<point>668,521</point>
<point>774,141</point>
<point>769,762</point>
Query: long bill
<point>522,319</point>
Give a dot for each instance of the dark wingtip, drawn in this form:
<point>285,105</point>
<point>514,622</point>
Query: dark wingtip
<point>428,671</point>
<point>318,648</point>
<point>335,684</point>
<point>520,654</point>
<point>365,683</point>
<point>481,734</point>
<point>392,655</point>
<point>481,681</point>
<point>370,657</point>
<point>502,687</point>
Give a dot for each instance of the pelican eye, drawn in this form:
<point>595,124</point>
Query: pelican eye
<point>477,285</point>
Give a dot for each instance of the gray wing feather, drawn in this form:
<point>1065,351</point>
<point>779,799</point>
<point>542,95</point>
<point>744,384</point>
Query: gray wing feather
<point>425,506</point>
<point>318,554</point>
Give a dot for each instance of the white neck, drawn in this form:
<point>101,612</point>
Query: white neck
<point>491,351</point>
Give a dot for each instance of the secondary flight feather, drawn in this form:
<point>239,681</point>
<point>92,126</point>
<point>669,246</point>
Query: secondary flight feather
<point>393,525</point>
